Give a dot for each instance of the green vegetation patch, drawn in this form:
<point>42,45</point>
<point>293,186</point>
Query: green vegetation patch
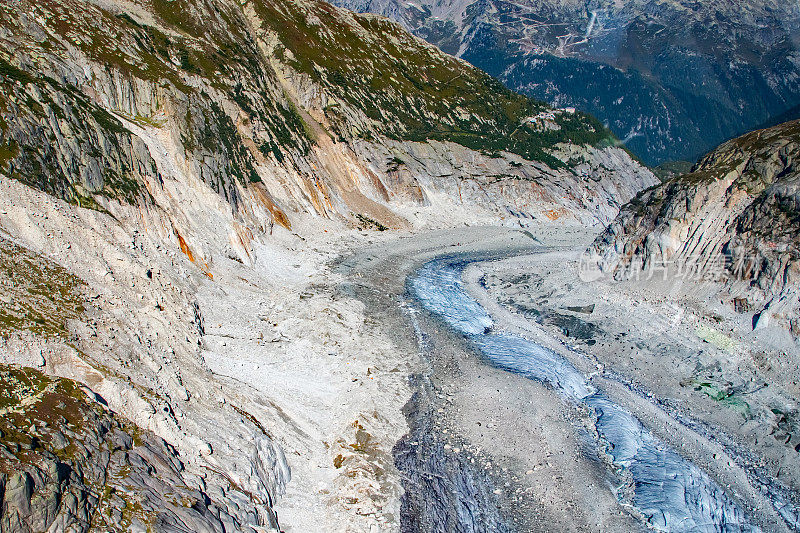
<point>49,426</point>
<point>725,395</point>
<point>8,151</point>
<point>37,295</point>
<point>29,397</point>
<point>671,169</point>
<point>365,222</point>
<point>716,338</point>
<point>32,153</point>
<point>411,91</point>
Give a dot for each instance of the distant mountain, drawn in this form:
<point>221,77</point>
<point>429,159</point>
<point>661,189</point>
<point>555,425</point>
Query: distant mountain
<point>786,116</point>
<point>673,78</point>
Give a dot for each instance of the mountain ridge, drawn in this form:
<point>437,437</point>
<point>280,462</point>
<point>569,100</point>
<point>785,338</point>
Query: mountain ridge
<point>735,216</point>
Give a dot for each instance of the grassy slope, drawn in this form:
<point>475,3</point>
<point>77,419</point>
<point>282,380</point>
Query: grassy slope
<point>411,90</point>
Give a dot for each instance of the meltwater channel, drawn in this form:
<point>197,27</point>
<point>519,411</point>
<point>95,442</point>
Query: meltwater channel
<point>671,493</point>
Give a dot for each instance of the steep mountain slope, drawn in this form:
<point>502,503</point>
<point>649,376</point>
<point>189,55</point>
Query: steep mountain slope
<point>672,77</point>
<point>74,447</point>
<point>175,177</point>
<point>735,218</point>
<point>243,92</point>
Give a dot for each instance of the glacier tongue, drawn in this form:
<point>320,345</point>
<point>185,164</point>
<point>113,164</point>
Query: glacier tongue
<point>671,493</point>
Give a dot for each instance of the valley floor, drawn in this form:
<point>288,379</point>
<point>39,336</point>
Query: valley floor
<point>315,361</point>
<point>513,436</point>
<point>664,359</point>
<point>676,353</point>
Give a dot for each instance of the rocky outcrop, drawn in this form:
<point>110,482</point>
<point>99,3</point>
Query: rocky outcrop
<point>735,218</point>
<point>270,105</point>
<point>67,463</point>
<point>134,352</point>
<point>587,189</point>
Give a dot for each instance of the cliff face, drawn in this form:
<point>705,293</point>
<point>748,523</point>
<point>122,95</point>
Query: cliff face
<point>635,64</point>
<point>734,218</point>
<point>169,171</point>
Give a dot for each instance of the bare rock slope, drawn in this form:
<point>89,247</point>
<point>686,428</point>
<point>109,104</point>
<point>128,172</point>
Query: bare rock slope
<point>734,218</point>
<point>276,107</point>
<point>69,464</point>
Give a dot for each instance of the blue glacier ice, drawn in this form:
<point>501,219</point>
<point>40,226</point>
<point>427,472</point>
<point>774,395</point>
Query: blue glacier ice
<point>671,493</point>
<point>439,287</point>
